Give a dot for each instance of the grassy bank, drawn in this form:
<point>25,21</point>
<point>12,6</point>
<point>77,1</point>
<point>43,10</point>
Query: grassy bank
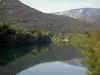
<point>89,45</point>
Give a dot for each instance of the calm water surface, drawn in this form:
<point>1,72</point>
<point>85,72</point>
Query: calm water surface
<point>54,68</point>
<point>55,60</point>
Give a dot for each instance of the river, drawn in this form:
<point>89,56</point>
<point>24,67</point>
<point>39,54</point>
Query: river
<point>56,60</point>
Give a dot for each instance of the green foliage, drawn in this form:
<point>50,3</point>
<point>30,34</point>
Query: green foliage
<point>6,34</point>
<point>58,38</point>
<point>12,37</point>
<point>89,46</point>
<point>78,40</point>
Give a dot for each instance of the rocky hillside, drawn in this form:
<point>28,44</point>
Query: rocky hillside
<point>77,13</point>
<point>90,15</point>
<point>23,16</point>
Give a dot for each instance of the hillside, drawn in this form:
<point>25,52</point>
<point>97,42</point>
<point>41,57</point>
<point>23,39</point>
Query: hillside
<point>77,13</point>
<point>95,20</point>
<point>90,15</point>
<point>23,16</point>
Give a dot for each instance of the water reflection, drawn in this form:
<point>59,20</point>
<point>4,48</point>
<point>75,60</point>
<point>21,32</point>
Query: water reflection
<point>54,68</point>
<point>26,57</point>
<point>12,54</point>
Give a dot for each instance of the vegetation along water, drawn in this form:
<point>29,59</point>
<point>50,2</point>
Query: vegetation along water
<point>88,44</point>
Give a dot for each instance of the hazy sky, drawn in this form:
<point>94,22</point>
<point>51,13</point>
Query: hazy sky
<point>61,5</point>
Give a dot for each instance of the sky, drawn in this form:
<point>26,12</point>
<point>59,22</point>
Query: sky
<point>49,6</point>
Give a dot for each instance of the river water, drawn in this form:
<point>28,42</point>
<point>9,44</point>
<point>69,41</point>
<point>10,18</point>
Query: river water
<point>54,68</point>
<point>55,60</point>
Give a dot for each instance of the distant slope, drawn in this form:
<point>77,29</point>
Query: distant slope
<point>95,20</point>
<point>90,15</point>
<point>77,13</point>
<point>23,16</point>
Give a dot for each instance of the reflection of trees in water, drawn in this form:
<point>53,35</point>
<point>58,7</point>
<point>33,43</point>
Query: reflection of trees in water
<point>11,39</point>
<point>12,54</point>
<point>56,53</point>
<point>15,43</point>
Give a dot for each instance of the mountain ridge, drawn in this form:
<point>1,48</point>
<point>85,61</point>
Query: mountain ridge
<point>89,15</point>
<point>23,16</point>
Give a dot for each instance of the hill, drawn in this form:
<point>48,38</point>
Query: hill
<point>89,15</point>
<point>22,16</point>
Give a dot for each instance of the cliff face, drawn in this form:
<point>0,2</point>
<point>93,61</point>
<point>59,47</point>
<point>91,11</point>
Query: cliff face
<point>23,16</point>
